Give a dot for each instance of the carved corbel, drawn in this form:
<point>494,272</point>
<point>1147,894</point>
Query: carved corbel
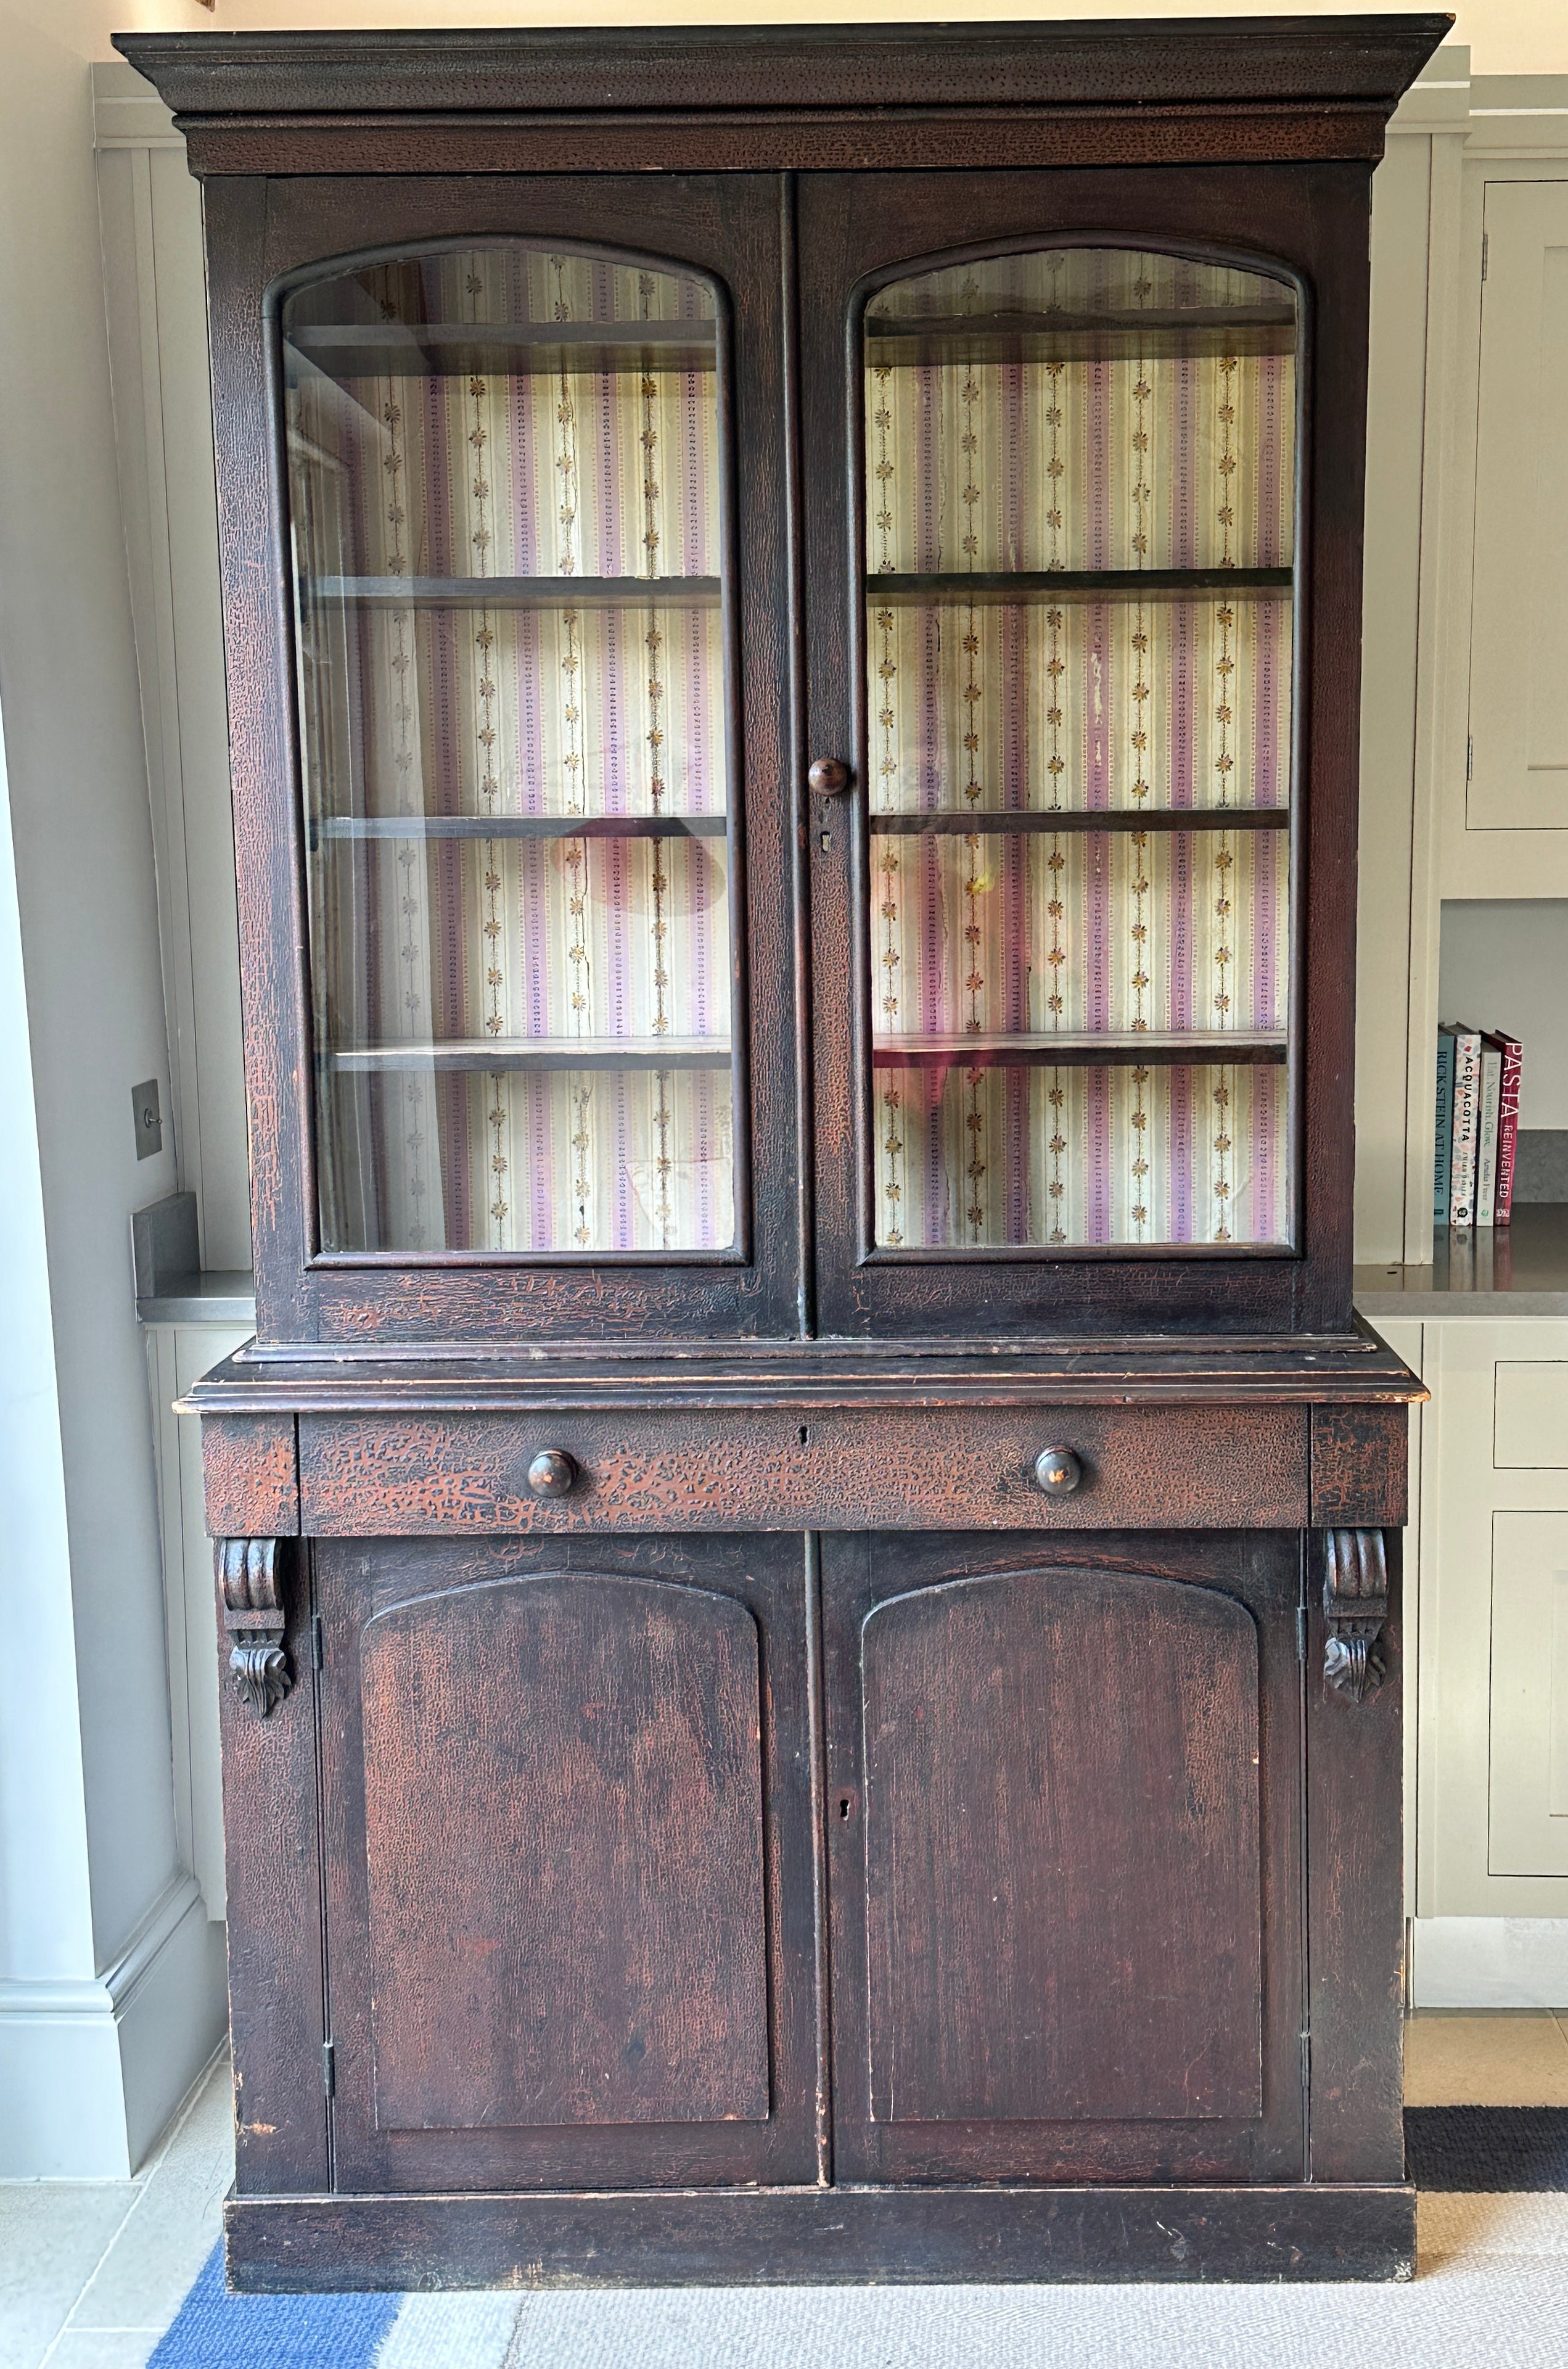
<point>1356,1604</point>
<point>250,1578</point>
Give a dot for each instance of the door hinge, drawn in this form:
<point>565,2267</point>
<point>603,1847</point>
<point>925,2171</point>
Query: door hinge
<point>1469,760</point>
<point>328,2068</point>
<point>1306,2060</point>
<point>1485,242</point>
<point>1301,1633</point>
<point>317,1641</point>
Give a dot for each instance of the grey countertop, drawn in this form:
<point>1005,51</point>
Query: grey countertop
<point>1503,1271</point>
<point>221,1296</point>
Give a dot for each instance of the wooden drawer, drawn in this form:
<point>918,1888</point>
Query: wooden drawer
<point>748,1468</point>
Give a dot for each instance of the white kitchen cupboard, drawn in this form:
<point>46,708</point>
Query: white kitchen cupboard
<point>1519,683</point>
<point>1493,1754</point>
<point>178,1355</point>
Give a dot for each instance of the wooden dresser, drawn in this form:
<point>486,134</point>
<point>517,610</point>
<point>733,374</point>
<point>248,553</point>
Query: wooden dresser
<point>807,1543</point>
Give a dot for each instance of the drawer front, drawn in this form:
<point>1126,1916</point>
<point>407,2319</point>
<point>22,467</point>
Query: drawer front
<point>744,1469</point>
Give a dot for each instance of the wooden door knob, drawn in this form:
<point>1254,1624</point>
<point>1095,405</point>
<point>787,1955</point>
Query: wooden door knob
<point>1057,1471</point>
<point>828,776</point>
<point>552,1473</point>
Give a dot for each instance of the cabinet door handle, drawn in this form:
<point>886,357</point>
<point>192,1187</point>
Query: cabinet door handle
<point>1059,1471</point>
<point>829,776</point>
<point>552,1473</point>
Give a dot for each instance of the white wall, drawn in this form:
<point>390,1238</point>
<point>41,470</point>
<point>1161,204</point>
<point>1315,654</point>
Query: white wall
<point>1505,964</point>
<point>98,1917</point>
<point>1506,37</point>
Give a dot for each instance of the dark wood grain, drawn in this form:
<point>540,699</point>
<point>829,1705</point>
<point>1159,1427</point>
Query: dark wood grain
<point>567,1811</point>
<point>901,1468</point>
<point>1061,1768</point>
<point>251,1476</point>
<point>1063,2236</point>
<point>1356,1922</point>
<point>1361,1464</point>
<point>277,2009</point>
<point>1352,1370</point>
<point>1201,64</point>
<point>601,1740</point>
<point>1075,1792</point>
<point>779,141</point>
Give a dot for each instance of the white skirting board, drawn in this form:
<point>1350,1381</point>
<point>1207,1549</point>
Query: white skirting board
<point>1489,1961</point>
<point>90,2069</point>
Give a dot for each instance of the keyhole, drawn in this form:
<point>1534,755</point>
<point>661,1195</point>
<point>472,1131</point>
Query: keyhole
<point>805,1435</point>
<point>844,1806</point>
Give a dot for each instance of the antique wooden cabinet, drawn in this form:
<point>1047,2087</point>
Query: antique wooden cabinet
<point>808,1541</point>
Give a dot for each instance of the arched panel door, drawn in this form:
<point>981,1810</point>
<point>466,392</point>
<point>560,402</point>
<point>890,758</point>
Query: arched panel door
<point>1060,1923</point>
<point>552,1952</point>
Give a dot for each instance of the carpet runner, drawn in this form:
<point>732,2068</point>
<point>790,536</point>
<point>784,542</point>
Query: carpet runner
<point>1460,2151</point>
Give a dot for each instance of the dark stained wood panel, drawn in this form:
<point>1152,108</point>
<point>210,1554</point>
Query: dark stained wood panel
<point>271,1836</point>
<point>818,2236</point>
<point>1356,1915</point>
<point>564,1839</point>
<point>1063,1867</point>
<point>1196,64</point>
<point>251,1476</point>
<point>1360,1463</point>
<point>728,1469</point>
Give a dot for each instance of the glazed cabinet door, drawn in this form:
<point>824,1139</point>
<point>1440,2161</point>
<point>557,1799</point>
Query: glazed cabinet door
<point>1067,601</point>
<point>569,1863</point>
<point>511,809</point>
<point>1063,1803</point>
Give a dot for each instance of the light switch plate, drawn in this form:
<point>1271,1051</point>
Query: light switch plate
<point>149,1120</point>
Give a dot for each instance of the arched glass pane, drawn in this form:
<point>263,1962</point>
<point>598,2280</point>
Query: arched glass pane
<point>1081,470</point>
<point>504,476</point>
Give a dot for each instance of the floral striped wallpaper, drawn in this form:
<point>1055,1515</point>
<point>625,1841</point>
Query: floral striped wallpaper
<point>1021,419</point>
<point>490,1007</point>
<point>590,464</point>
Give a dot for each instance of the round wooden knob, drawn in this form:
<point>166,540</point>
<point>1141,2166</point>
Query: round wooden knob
<point>552,1473</point>
<point>828,776</point>
<point>1057,1471</point>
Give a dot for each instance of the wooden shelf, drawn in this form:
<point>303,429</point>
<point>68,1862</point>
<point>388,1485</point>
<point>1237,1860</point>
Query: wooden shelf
<point>516,591</point>
<point>1015,587</point>
<point>909,340</point>
<point>351,349</point>
<point>537,1053</point>
<point>987,823</point>
<point>639,826</point>
<point>1198,1049</point>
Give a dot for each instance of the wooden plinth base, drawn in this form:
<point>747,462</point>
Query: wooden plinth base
<point>820,2237</point>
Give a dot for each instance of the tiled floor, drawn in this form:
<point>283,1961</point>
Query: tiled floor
<point>91,2273</point>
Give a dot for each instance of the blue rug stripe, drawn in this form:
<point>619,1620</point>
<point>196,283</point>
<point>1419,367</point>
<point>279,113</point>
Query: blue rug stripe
<point>1459,2150</point>
<point>218,2330</point>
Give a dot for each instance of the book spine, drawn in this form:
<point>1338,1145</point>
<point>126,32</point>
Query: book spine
<point>1486,1144</point>
<point>1507,1128</point>
<point>1467,1099</point>
<point>1443,1163</point>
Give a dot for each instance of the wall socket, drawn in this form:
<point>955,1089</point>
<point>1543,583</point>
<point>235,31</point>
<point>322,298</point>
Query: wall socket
<point>149,1120</point>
